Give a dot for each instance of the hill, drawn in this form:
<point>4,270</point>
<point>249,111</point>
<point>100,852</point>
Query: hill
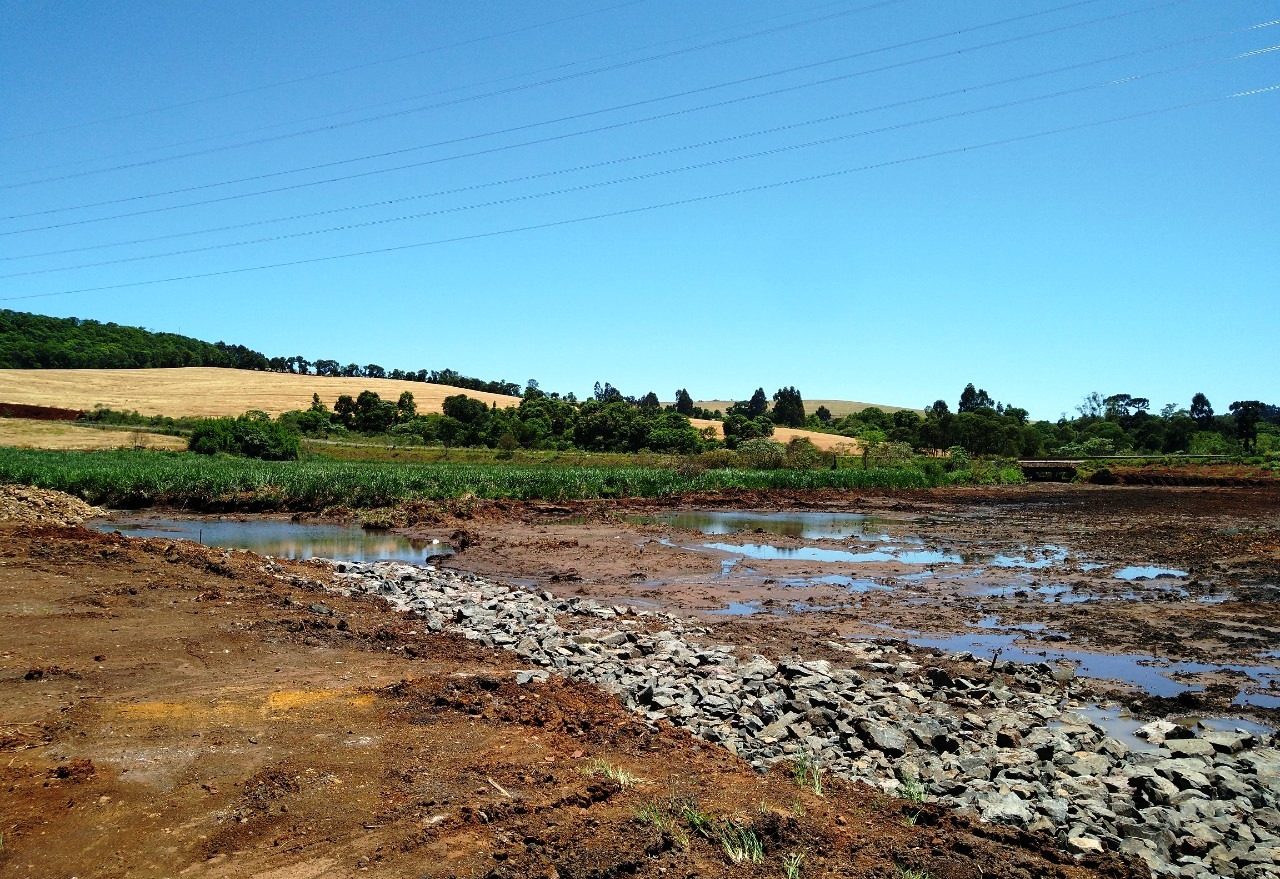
<point>838,408</point>
<point>36,341</point>
<point>208,391</point>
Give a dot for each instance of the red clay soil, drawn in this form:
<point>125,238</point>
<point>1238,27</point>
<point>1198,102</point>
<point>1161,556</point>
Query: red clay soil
<point>167,709</point>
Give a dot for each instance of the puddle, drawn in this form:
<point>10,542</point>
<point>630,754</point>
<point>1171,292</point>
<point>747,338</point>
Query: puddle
<point>281,539</point>
<point>1122,726</point>
<point>1044,557</point>
<point>766,551</point>
<point>1147,672</point>
<point>801,524</point>
<point>738,609</point>
<point>1115,722</point>
<point>852,584</point>
<point>1050,593</point>
<point>1147,572</point>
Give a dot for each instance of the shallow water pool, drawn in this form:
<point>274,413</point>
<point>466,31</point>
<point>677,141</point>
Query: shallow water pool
<point>281,539</point>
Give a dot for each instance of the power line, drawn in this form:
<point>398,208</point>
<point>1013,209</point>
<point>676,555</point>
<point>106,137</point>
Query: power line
<point>653,154</point>
<point>557,137</point>
<point>764,187</point>
<point>450,103</point>
<point>313,76</point>
<point>436,93</point>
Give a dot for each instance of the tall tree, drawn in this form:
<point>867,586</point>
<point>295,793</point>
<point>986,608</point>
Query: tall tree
<point>972,399</point>
<point>788,407</point>
<point>406,408</point>
<point>1247,414</point>
<point>1202,412</point>
<point>684,402</point>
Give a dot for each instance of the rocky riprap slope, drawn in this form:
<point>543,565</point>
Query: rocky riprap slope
<point>1011,750</point>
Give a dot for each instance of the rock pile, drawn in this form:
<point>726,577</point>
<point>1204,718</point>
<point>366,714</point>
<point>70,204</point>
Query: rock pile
<point>41,506</point>
<point>1192,802</point>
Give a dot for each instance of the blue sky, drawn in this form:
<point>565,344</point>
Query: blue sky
<point>1044,198</point>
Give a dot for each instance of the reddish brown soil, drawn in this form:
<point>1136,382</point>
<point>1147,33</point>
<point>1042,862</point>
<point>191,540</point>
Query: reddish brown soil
<point>170,710</point>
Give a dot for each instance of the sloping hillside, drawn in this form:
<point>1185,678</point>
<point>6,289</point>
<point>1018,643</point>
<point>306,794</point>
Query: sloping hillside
<point>208,390</point>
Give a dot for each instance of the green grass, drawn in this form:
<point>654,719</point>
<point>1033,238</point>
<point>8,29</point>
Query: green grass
<point>807,773</point>
<point>740,843</point>
<point>129,479</point>
<point>605,769</point>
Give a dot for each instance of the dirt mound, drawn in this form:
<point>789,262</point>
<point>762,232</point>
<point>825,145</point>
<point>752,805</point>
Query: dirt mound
<point>40,506</point>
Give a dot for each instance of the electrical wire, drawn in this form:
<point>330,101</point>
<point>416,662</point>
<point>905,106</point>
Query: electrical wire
<point>314,76</point>
<point>1125,80</point>
<point>538,141</point>
<point>450,103</point>
<point>451,90</point>
<point>746,190</point>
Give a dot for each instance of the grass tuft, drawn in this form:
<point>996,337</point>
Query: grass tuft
<point>605,769</point>
<point>807,773</point>
<point>740,843</point>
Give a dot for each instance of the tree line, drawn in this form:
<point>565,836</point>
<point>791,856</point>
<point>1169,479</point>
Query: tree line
<point>1103,425</point>
<point>35,341</point>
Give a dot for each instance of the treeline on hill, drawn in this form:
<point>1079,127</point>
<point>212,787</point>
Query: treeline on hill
<point>35,341</point>
<point>1111,425</point>
<point>605,422</point>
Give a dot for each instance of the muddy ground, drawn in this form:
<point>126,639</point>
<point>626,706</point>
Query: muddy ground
<point>1226,609</point>
<point>172,710</point>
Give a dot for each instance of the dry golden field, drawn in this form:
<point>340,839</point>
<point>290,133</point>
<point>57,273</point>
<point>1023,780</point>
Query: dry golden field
<point>30,433</point>
<point>209,391</point>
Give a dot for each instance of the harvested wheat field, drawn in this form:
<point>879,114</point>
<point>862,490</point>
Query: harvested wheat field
<point>33,434</point>
<point>207,391</point>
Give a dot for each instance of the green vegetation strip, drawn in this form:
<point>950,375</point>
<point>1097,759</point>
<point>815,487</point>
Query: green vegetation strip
<point>144,478</point>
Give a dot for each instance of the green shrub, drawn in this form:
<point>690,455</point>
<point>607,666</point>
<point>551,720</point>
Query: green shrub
<point>253,435</point>
<point>802,454</point>
<point>762,454</point>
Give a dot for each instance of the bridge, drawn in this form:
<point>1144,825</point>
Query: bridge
<point>1061,470</point>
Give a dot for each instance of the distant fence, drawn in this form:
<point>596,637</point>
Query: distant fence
<point>43,413</point>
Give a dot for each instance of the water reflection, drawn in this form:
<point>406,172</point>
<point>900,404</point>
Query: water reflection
<point>290,540</point>
<point>805,525</point>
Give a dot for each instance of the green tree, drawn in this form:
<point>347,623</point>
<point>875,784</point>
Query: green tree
<point>1247,414</point>
<point>345,411</point>
<point>973,399</point>
<point>406,408</point>
<point>684,402</point>
<point>1202,411</point>
<point>788,407</point>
